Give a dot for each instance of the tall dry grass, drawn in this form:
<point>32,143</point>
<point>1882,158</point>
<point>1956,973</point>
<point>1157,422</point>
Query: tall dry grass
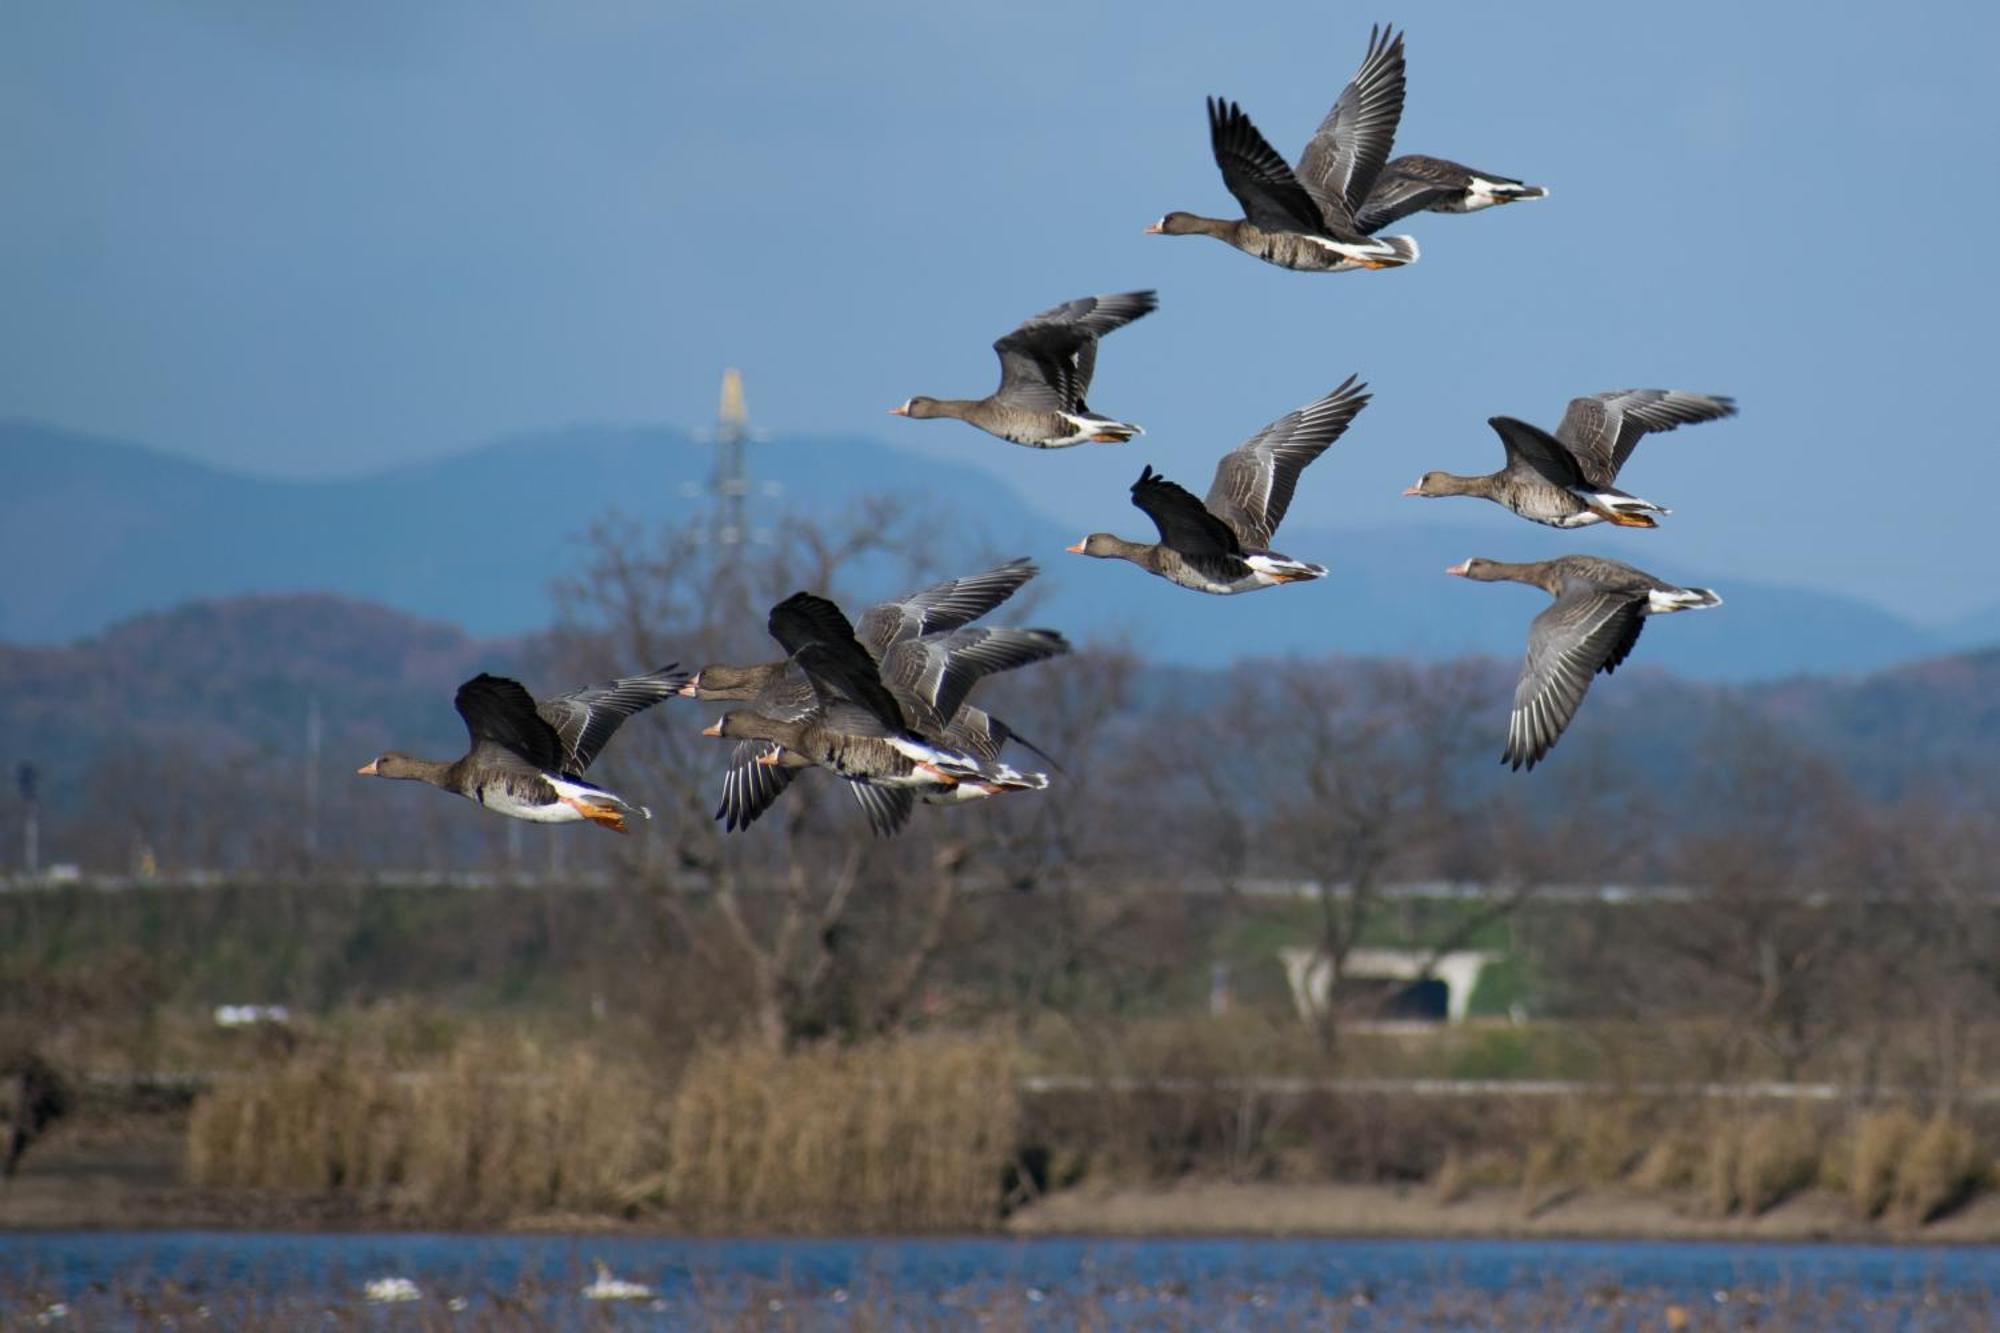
<point>1943,1164</point>
<point>499,1128</point>
<point>1776,1155</point>
<point>913,1133</point>
<point>909,1134</point>
<point>921,1133</point>
<point>1877,1145</point>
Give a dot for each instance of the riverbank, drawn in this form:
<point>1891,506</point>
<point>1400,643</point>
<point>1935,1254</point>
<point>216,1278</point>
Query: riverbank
<point>1198,1208</point>
<point>129,1173</point>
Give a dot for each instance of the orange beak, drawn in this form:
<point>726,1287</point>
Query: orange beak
<point>1460,568</point>
<point>1153,229</point>
<point>367,770</point>
<point>899,411</point>
<point>691,690</point>
<point>712,729</point>
<point>1075,550</point>
<point>1413,490</point>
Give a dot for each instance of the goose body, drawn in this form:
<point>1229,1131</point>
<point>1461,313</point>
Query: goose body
<point>1046,365</point>
<point>1221,545</point>
<point>546,798</point>
<point>1303,217</point>
<point>1418,184</point>
<point>1567,479</point>
<point>860,728</point>
<point>527,756</point>
<point>1592,626</point>
<point>929,661</point>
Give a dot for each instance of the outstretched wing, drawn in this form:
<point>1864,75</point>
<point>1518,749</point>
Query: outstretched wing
<point>1403,188</point>
<point>1534,448</point>
<point>979,733</point>
<point>887,808</point>
<point>1586,630</point>
<point>1345,155</point>
<point>937,671</point>
<point>820,639</point>
<point>1184,522</point>
<point>1047,362</point>
<point>1271,196</point>
<point>1039,367</point>
<point>585,719</point>
<point>499,711</point>
<point>942,606</point>
<point>807,617</point>
<point>1602,429</point>
<point>1098,315</point>
<point>750,788</point>
<point>1255,480</point>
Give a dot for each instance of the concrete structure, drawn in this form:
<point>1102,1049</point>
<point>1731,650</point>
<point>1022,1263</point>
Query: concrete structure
<point>1312,979</point>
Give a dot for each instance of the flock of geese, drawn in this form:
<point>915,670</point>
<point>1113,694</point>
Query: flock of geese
<point>884,704</point>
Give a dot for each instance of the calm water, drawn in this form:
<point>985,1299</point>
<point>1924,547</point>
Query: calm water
<point>254,1280</point>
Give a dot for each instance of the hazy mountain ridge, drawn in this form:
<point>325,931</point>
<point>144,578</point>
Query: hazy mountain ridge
<point>103,530</point>
<point>237,676</point>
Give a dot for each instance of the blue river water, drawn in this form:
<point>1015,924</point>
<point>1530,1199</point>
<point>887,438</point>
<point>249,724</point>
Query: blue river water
<point>148,1279</point>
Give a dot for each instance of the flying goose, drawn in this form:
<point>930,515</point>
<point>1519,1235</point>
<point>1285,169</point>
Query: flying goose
<point>1304,218</point>
<point>1222,544</point>
<point>929,677</point>
<point>942,606</point>
<point>1414,183</point>
<point>779,689</point>
<point>1565,480</point>
<point>1045,370</point>
<point>528,756</point>
<point>856,726</point>
<point>1600,607</point>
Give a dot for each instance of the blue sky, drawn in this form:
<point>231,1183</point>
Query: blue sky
<point>314,240</point>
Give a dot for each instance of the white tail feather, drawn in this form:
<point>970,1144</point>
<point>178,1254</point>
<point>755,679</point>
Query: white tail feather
<point>1662,602</point>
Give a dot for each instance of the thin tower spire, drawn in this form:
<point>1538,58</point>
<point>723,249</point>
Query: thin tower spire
<point>731,483</point>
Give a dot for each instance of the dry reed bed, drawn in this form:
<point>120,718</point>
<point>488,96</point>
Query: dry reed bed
<point>500,1128</point>
<point>912,1134</point>
<point>909,1134</point>
<point>920,1132</point>
<point>1888,1162</point>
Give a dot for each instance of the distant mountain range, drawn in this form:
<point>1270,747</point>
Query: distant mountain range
<point>95,531</point>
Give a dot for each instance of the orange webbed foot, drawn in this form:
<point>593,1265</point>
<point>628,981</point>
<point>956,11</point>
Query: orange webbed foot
<point>601,815</point>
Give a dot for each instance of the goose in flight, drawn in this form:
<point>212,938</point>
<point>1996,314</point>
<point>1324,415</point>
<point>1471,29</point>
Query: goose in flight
<point>528,756</point>
<point>1045,369</point>
<point>899,633</point>
<point>1600,606</point>
<point>1221,545</point>
<point>1303,217</point>
<point>855,726</point>
<point>1566,480</point>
